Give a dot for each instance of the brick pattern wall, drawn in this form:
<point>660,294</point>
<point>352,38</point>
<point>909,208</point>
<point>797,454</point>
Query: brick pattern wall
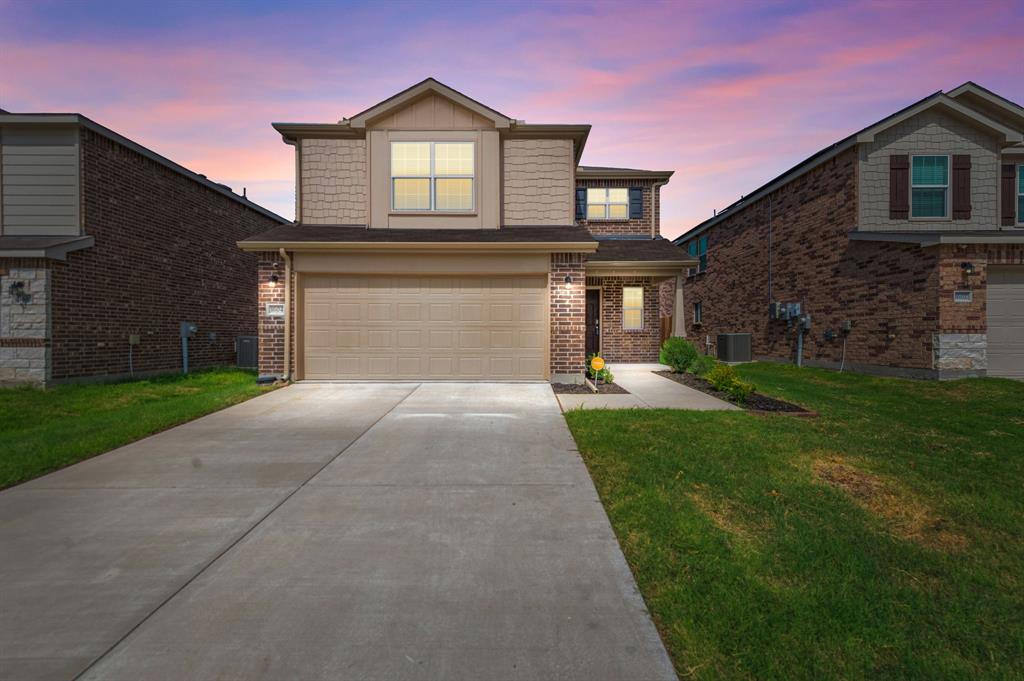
<point>165,252</point>
<point>618,344</point>
<point>667,298</point>
<point>969,318</point>
<point>272,329</point>
<point>930,132</point>
<point>887,289</point>
<point>538,182</point>
<point>333,182</point>
<point>568,315</point>
<point>641,227</point>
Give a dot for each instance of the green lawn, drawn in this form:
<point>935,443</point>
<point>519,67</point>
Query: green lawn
<point>882,540</point>
<point>43,430</point>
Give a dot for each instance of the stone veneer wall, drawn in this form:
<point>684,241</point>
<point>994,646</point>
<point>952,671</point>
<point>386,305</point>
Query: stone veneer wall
<point>568,318</point>
<point>24,323</point>
<point>333,181</point>
<point>538,182</point>
<point>618,344</point>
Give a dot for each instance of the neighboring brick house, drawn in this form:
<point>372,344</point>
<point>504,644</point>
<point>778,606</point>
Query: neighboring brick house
<point>437,238</point>
<point>106,247</point>
<point>904,243</point>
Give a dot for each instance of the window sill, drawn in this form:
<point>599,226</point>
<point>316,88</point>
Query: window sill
<point>605,221</point>
<point>432,213</point>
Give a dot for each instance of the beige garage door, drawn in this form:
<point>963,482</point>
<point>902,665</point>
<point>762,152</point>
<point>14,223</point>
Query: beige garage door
<point>1006,321</point>
<point>432,327</point>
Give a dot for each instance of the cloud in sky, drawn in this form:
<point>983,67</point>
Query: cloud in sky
<point>728,95</point>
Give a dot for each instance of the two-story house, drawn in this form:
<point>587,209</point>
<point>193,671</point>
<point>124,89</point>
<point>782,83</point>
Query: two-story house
<point>437,238</point>
<point>902,244</point>
<point>106,247</point>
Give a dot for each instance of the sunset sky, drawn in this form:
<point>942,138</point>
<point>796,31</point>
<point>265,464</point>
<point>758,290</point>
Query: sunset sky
<point>726,94</point>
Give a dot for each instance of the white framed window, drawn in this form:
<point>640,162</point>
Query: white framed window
<point>698,313</point>
<point>1020,195</point>
<point>929,187</point>
<point>632,308</point>
<point>432,176</point>
<point>607,203</point>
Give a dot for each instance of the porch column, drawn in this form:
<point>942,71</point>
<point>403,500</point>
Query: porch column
<point>679,311</point>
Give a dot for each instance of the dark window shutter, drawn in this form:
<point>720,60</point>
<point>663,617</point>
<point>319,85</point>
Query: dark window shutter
<point>636,203</point>
<point>899,187</point>
<point>961,187</point>
<point>1009,194</point>
<point>581,203</point>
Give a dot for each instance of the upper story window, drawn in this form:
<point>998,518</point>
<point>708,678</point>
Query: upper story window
<point>432,176</point>
<point>1020,195</point>
<point>929,187</point>
<point>610,203</point>
<point>632,308</point>
<point>698,248</point>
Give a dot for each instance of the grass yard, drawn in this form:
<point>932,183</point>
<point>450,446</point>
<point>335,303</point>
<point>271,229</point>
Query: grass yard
<point>43,430</point>
<point>882,540</point>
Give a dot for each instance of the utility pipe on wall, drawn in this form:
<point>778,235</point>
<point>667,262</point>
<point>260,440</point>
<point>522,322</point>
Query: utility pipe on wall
<point>287,314</point>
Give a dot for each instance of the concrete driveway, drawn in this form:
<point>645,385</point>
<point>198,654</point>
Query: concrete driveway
<point>399,531</point>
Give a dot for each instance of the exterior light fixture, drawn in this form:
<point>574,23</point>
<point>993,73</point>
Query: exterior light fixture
<point>568,280</point>
<point>967,267</point>
<point>273,280</point>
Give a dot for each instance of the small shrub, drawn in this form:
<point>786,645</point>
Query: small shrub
<point>604,375</point>
<point>723,377</point>
<point>678,354</point>
<point>701,365</point>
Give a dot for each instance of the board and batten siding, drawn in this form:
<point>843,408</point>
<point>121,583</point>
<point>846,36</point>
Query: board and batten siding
<point>40,181</point>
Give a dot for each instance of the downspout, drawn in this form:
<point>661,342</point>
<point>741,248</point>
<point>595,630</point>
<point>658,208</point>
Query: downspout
<point>655,207</point>
<point>770,299</point>
<point>287,315</point>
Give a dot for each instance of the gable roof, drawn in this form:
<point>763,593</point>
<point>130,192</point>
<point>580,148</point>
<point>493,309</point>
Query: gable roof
<point>866,134</point>
<point>971,91</point>
<point>416,91</point>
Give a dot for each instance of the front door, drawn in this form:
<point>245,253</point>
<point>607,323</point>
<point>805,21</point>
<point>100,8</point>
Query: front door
<point>593,321</point>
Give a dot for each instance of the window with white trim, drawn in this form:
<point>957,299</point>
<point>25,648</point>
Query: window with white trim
<point>1020,195</point>
<point>632,308</point>
<point>432,176</point>
<point>607,203</point>
<point>929,186</point>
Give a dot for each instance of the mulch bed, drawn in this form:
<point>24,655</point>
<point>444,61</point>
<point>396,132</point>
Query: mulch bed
<point>756,402</point>
<point>583,389</point>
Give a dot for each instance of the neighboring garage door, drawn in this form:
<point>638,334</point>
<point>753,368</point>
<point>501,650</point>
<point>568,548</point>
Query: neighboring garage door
<point>424,327</point>
<point>1006,321</point>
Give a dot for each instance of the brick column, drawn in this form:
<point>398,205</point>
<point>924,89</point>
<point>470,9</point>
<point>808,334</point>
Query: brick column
<point>568,317</point>
<point>271,329</point>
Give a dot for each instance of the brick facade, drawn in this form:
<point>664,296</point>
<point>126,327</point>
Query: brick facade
<point>165,252</point>
<point>568,316</point>
<point>618,344</point>
<point>272,329</point>
<point>641,227</point>
<point>898,295</point>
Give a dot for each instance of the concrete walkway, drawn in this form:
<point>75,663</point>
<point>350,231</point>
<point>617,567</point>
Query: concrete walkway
<point>647,390</point>
<point>327,532</point>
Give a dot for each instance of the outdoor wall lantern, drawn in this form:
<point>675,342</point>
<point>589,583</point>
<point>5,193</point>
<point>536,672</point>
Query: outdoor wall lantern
<point>273,280</point>
<point>967,267</point>
<point>568,280</point>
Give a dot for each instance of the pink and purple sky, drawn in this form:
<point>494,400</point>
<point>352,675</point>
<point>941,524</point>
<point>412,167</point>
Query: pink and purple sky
<point>726,94</point>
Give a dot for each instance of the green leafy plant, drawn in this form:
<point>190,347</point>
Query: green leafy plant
<point>678,353</point>
<point>723,377</point>
<point>603,376</point>
<point>701,365</point>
